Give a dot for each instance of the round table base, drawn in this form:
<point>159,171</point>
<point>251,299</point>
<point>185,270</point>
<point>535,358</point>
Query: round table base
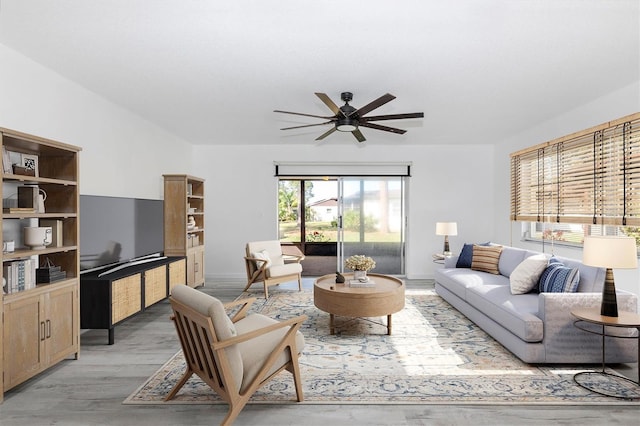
<point>608,384</point>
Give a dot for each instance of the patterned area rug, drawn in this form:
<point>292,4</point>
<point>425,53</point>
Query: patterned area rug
<point>435,355</point>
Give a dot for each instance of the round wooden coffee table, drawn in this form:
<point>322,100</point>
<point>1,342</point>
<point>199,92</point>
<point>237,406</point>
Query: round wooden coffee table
<point>386,298</point>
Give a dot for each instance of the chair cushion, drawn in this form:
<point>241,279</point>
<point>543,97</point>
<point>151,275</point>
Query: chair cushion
<point>282,270</point>
<point>210,306</point>
<point>272,247</point>
<point>254,352</point>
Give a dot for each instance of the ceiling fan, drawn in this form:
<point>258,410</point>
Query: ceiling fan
<point>349,119</point>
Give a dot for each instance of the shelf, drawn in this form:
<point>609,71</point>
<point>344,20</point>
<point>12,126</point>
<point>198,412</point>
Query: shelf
<point>40,288</point>
<point>39,215</point>
<point>33,179</point>
<point>21,253</point>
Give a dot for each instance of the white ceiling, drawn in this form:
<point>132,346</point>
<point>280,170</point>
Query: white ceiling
<point>213,71</point>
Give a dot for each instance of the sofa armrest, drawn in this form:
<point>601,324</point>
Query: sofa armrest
<point>555,310</point>
<point>450,261</point>
<point>564,342</point>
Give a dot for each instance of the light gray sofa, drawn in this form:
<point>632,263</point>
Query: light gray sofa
<point>536,327</point>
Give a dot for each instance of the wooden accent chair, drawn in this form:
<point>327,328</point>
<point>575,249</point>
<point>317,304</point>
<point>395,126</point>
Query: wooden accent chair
<point>234,356</point>
<point>266,263</point>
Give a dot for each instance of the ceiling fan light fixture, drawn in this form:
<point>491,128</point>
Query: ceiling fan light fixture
<point>346,125</point>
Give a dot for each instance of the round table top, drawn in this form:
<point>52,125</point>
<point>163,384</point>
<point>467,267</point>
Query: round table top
<point>383,284</point>
<point>592,315</point>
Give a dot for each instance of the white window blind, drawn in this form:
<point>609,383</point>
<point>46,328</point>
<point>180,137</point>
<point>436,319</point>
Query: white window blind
<point>592,176</point>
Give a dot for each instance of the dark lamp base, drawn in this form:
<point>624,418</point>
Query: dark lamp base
<point>609,307</point>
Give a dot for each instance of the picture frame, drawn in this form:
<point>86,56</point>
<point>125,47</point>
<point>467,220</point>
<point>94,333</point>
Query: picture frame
<point>7,166</point>
<point>30,162</point>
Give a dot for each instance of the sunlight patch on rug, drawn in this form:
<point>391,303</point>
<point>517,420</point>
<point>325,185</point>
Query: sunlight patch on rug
<point>435,355</point>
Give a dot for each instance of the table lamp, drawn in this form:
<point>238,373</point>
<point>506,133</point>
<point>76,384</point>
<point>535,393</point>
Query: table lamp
<point>446,229</point>
<point>610,252</point>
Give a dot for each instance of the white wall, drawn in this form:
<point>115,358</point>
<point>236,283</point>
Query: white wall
<point>622,102</point>
<point>122,154</point>
<point>448,183</point>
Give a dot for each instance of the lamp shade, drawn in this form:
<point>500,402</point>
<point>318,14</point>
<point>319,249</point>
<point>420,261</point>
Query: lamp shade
<point>446,228</point>
<point>610,252</point>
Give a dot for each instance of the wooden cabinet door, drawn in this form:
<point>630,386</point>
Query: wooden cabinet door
<point>199,266</point>
<point>191,268</point>
<point>177,273</point>
<point>24,339</point>
<point>61,323</point>
<point>155,285</point>
<point>195,266</point>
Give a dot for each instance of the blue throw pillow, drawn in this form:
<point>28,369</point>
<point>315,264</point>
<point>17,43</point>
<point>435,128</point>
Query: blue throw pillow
<point>558,278</point>
<point>466,255</point>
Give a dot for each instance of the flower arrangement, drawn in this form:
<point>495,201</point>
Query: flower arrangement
<point>359,262</point>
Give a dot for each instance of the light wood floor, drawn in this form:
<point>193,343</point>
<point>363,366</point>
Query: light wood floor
<point>90,391</point>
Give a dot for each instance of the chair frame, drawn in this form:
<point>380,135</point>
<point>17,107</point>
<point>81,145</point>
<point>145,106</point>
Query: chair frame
<point>206,357</point>
<point>260,274</point>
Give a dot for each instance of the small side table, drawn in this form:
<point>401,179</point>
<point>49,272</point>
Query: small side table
<point>623,320</point>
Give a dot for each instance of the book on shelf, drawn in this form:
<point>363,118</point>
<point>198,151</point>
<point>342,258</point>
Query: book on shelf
<point>18,210</point>
<point>20,275</point>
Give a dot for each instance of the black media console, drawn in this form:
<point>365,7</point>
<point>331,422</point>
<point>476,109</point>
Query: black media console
<point>108,299</point>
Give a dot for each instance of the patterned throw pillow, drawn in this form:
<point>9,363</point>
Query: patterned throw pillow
<point>486,258</point>
<point>466,255</point>
<point>558,278</point>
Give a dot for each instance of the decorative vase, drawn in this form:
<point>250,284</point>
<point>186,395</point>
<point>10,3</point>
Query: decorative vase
<point>360,275</point>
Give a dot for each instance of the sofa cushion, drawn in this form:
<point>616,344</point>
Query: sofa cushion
<point>458,280</point>
<point>558,278</point>
<point>486,258</point>
<point>518,314</point>
<point>511,257</point>
<point>526,275</point>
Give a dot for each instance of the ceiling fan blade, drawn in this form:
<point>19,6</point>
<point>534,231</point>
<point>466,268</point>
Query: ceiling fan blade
<point>307,125</point>
<point>374,104</point>
<point>358,134</point>
<point>393,116</point>
<point>384,128</point>
<point>328,102</point>
<point>302,114</point>
<point>325,134</point>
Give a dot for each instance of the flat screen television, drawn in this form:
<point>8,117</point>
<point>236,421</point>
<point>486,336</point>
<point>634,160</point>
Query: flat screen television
<point>118,230</point>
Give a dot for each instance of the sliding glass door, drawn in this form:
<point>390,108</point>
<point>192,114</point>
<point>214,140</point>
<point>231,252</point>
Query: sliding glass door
<point>372,221</point>
<point>331,218</point>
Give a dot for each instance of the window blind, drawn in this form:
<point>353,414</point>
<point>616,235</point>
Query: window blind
<point>592,176</point>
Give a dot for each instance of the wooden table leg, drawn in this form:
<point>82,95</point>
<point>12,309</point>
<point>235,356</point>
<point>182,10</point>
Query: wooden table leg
<point>332,330</point>
<point>389,325</point>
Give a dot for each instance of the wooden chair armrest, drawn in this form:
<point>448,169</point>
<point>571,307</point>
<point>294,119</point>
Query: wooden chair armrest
<point>293,258</point>
<point>259,269</point>
<point>242,312</point>
<point>294,323</point>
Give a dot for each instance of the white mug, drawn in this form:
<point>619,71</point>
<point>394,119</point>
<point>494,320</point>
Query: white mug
<point>8,246</point>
